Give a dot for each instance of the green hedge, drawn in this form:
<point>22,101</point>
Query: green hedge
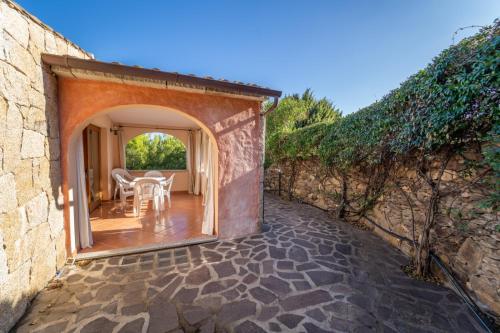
<point>454,101</point>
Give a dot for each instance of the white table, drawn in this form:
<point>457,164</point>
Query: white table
<point>163,182</point>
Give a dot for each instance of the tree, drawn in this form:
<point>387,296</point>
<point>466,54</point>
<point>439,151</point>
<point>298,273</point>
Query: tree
<point>155,151</point>
<point>295,112</point>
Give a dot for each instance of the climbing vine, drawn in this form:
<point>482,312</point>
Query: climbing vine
<point>451,105</point>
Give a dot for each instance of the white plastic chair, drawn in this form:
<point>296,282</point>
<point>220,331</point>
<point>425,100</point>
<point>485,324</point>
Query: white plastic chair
<point>153,173</point>
<point>167,187</point>
<point>125,189</point>
<point>148,190</point>
<point>124,174</point>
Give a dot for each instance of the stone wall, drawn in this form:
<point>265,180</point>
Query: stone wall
<point>466,236</point>
<point>32,239</point>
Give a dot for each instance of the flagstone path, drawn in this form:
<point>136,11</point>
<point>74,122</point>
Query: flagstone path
<point>307,273</point>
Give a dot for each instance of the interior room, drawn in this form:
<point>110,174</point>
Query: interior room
<point>146,178</point>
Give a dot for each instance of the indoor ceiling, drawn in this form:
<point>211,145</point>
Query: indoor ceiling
<point>147,115</point>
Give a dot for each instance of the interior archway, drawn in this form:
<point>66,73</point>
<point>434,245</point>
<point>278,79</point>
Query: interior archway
<point>128,121</point>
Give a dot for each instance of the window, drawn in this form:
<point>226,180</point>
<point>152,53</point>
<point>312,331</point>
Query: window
<point>155,151</point>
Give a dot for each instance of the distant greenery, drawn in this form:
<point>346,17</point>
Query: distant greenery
<point>155,151</point>
<point>293,113</point>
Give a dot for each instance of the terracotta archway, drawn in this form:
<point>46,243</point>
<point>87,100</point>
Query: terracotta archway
<point>233,123</point>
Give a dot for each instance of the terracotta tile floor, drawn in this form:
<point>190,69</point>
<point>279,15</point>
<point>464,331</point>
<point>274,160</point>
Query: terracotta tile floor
<point>113,228</point>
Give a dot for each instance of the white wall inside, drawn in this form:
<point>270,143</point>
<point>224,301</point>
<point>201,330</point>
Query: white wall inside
<point>148,115</point>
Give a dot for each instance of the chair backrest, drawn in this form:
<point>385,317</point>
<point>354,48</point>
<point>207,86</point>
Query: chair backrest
<point>128,175</point>
<point>122,172</point>
<point>120,180</point>
<point>153,173</point>
<point>147,188</point>
<point>170,181</point>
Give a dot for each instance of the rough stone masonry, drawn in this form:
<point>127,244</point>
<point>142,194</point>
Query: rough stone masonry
<point>468,242</point>
<point>32,240</point>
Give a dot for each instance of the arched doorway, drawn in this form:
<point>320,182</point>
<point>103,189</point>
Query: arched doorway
<point>232,119</point>
<point>113,227</point>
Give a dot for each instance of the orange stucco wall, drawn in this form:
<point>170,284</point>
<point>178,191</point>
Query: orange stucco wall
<point>234,123</point>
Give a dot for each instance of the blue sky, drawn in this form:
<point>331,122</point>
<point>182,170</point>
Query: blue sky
<point>352,52</point>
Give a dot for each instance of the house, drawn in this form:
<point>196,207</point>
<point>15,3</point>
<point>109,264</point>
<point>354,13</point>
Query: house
<point>65,120</point>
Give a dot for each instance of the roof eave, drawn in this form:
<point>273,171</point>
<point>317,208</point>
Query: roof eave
<point>85,68</point>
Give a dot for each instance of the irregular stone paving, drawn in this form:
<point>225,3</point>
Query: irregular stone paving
<point>305,274</point>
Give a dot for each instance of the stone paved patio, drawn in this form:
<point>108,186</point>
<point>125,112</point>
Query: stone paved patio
<point>306,274</point>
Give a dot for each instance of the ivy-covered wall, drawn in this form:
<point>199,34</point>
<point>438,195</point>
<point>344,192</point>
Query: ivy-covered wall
<point>423,163</point>
<point>464,236</point>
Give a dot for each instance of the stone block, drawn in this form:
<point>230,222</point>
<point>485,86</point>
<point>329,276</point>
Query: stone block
<point>1,160</point>
<point>75,52</point>
<point>14,227</point>
<point>36,43</point>
<point>52,118</point>
<point>14,117</point>
<point>8,200</point>
<point>35,120</point>
<point>37,210</point>
<point>60,243</point>
<point>14,84</point>
<point>16,55</point>
<point>14,297</point>
<point>41,174</point>
<point>12,149</point>
<point>11,124</point>
<point>25,189</point>
<point>49,87</point>
<point>50,42</point>
<point>15,24</point>
<point>61,45</point>
<point>44,258</point>
<point>33,144</point>
<point>4,269</point>
<point>55,179</point>
<point>482,287</point>
<point>470,256</point>
<point>53,149</point>
<point>55,218</point>
<point>37,98</point>
<point>3,119</point>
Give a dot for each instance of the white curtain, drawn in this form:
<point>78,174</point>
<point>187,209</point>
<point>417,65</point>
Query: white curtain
<point>81,204</point>
<point>190,162</point>
<point>197,162</point>
<point>208,193</point>
<point>121,148</point>
<point>204,172</point>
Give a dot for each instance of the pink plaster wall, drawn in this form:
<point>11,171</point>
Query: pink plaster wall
<point>234,123</point>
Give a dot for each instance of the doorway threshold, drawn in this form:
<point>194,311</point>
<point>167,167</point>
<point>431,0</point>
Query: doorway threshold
<point>143,248</point>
